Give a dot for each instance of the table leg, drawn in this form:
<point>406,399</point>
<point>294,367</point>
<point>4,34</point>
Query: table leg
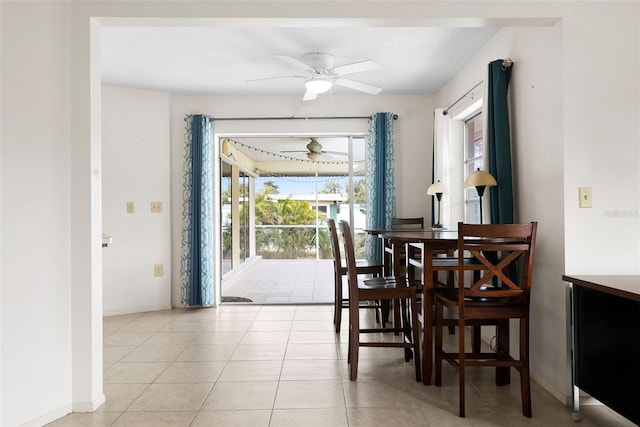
<point>427,314</point>
<point>396,273</point>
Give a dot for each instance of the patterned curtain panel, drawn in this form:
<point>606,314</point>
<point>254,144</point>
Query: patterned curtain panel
<point>196,269</point>
<point>499,142</point>
<point>381,196</point>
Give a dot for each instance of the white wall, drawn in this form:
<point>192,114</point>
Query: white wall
<point>35,212</point>
<point>413,135</point>
<point>601,138</point>
<point>135,168</point>
<point>536,128</point>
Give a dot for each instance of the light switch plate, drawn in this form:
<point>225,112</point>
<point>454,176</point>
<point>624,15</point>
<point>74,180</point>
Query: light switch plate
<point>585,200</point>
<point>130,207</point>
<point>158,270</point>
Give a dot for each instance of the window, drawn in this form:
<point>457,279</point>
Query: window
<point>473,160</point>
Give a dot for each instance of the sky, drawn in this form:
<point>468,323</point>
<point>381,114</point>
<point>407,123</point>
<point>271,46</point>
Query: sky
<point>303,184</point>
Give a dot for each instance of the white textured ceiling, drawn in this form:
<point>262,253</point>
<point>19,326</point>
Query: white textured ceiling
<point>220,60</point>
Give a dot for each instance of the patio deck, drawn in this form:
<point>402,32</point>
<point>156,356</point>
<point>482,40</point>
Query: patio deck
<point>277,281</point>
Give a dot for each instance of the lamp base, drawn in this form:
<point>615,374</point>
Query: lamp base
<point>437,226</point>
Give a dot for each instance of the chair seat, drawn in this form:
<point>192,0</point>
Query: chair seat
<point>364,266</point>
<point>382,282</point>
<point>448,294</point>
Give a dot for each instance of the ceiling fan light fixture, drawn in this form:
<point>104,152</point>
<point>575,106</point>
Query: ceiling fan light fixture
<point>318,84</point>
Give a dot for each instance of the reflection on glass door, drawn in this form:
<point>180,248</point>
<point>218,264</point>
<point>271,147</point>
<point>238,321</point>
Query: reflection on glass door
<point>226,216</point>
<point>244,204</point>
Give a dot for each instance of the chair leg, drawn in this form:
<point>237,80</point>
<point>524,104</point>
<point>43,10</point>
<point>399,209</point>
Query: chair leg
<point>461,364</point>
<point>397,321</point>
<point>384,306</point>
<point>407,327</point>
<point>415,328</point>
<point>354,340</point>
<point>337,315</point>
<point>503,374</point>
<point>525,382</point>
<point>475,340</point>
<point>439,312</point>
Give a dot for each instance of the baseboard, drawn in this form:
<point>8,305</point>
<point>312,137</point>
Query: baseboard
<point>66,410</point>
<point>89,406</point>
<point>135,310</point>
<point>566,400</point>
<point>50,417</point>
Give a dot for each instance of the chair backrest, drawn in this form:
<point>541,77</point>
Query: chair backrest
<point>407,222</point>
<point>504,255</point>
<point>349,254</point>
<point>335,244</point>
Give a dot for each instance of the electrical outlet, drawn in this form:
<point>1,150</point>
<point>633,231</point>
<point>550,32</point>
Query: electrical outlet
<point>158,270</point>
<point>584,193</point>
<point>156,207</point>
<point>130,207</point>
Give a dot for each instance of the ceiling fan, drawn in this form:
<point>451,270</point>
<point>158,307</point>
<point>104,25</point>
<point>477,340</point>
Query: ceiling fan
<point>321,75</point>
<point>315,152</point>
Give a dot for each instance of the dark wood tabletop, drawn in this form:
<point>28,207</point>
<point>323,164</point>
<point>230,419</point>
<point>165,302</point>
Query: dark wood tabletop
<point>622,286</point>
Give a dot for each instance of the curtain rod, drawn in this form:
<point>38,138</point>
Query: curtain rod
<point>446,110</point>
<point>395,117</point>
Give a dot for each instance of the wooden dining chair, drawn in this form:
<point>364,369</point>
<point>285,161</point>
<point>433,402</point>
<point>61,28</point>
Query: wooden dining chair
<point>379,289</point>
<point>504,255</point>
<point>363,267</point>
<point>397,223</point>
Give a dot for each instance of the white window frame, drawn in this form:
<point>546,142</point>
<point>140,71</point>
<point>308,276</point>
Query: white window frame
<point>471,160</point>
<point>467,108</point>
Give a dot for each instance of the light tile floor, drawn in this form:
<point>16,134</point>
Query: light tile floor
<point>288,281</point>
<point>251,365</point>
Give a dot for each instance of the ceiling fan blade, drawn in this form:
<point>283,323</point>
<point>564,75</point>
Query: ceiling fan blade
<point>335,153</point>
<point>275,78</point>
<point>356,67</point>
<point>293,61</point>
<point>309,96</point>
<point>294,151</point>
<point>362,87</point>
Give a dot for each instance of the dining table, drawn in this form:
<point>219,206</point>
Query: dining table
<point>428,242</point>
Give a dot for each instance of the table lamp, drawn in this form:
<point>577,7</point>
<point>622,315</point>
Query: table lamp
<point>480,180</point>
<point>437,189</point>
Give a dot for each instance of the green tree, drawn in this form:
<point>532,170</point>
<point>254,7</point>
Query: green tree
<point>359,191</point>
<point>270,187</point>
<point>332,188</point>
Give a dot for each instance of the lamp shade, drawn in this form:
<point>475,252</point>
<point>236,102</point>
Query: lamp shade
<point>480,178</point>
<point>318,84</point>
<point>437,187</point>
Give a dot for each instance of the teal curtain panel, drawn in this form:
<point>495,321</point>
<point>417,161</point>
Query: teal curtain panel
<point>499,142</point>
<point>197,264</point>
<point>381,199</point>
